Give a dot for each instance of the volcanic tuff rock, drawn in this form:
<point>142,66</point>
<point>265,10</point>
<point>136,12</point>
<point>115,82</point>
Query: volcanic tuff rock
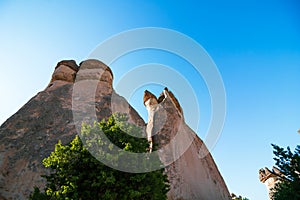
<point>191,169</point>
<point>30,135</point>
<point>270,178</point>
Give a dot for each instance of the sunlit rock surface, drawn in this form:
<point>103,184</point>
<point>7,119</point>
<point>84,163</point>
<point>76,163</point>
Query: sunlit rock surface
<point>29,136</point>
<point>191,169</point>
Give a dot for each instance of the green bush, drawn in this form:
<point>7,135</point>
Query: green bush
<point>76,174</point>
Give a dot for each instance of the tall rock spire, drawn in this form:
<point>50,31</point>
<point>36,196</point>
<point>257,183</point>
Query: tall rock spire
<point>29,136</point>
<point>191,169</point>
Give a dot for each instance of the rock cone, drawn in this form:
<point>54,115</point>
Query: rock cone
<point>30,134</point>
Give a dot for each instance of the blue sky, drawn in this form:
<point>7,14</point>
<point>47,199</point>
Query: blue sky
<point>255,45</point>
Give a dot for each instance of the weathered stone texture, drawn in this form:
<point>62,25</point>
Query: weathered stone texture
<point>30,135</point>
<point>191,169</point>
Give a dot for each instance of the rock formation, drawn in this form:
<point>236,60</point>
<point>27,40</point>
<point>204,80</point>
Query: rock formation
<point>270,178</point>
<point>30,135</point>
<point>191,169</point>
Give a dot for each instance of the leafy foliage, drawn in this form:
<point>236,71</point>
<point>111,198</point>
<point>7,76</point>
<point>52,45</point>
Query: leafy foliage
<point>37,194</point>
<point>289,164</point>
<point>76,174</point>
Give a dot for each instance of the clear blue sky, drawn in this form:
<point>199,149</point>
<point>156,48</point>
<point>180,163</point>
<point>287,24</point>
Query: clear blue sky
<point>255,44</point>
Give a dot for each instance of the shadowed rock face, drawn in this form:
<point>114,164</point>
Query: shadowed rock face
<point>191,169</point>
<point>30,135</point>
